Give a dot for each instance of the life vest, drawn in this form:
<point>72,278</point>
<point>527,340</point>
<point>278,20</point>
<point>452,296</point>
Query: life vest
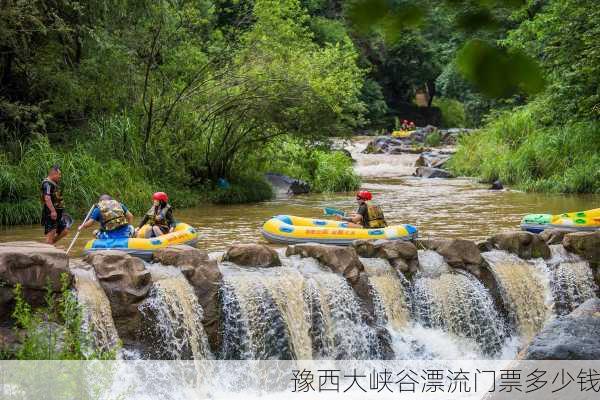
<point>56,197</point>
<point>158,218</point>
<point>113,215</point>
<point>375,216</point>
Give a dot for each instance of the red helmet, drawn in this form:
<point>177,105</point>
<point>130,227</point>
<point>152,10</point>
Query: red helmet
<point>364,195</point>
<point>160,196</point>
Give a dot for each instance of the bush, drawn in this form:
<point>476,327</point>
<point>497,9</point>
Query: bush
<point>325,170</point>
<point>334,173</point>
<point>54,332</point>
<point>433,139</point>
<point>453,112</point>
<point>520,151</point>
<point>248,189</point>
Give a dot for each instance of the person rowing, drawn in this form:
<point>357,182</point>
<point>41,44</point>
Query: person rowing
<point>367,216</point>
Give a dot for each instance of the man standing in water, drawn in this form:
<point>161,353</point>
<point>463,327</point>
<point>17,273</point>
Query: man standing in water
<point>53,207</point>
<point>368,216</point>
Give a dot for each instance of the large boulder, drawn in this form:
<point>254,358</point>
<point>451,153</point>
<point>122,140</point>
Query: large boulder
<point>287,185</point>
<point>458,253</point>
<point>401,255</point>
<point>573,337</point>
<point>586,244</point>
<point>34,266</point>
<point>252,255</point>
<point>429,172</point>
<point>553,236</point>
<point>524,244</point>
<point>341,260</point>
<point>126,283</point>
<point>204,275</point>
<point>432,159</point>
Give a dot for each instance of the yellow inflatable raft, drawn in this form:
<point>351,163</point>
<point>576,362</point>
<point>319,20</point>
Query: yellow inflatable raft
<point>576,221</point>
<point>290,229</point>
<point>143,248</point>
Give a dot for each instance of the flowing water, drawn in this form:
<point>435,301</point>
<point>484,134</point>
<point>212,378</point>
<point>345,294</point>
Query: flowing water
<point>442,208</point>
<point>525,290</point>
<point>301,310</point>
<point>572,280</point>
<point>97,313</point>
<point>172,317</point>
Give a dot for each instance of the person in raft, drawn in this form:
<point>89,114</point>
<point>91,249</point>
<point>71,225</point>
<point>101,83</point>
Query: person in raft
<point>159,217</point>
<point>114,219</point>
<point>55,228</point>
<point>367,216</point>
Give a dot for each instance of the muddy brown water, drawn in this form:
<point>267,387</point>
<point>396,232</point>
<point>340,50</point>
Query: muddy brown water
<point>440,208</point>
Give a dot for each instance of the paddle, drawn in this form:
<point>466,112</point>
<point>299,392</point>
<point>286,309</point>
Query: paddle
<point>333,211</point>
<point>78,230</point>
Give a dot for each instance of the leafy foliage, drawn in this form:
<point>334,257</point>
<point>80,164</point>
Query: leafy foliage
<point>56,331</point>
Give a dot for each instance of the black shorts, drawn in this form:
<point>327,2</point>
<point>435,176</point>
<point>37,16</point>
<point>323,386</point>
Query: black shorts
<point>50,224</point>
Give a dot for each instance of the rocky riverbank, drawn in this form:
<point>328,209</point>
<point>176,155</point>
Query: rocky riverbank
<point>127,282</point>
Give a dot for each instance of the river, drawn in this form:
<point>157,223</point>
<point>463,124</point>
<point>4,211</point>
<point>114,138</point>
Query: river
<point>440,208</point>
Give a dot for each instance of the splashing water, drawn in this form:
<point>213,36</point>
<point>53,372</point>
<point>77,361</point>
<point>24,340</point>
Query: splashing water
<point>432,263</point>
<point>265,314</point>
<point>572,280</point>
<point>458,303</point>
<point>173,317</point>
<point>392,307</point>
<point>525,291</point>
<point>96,308</point>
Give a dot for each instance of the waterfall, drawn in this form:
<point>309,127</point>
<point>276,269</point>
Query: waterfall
<point>459,304</point>
<point>96,308</point>
<point>173,317</point>
<point>340,319</point>
<point>524,288</point>
<point>392,307</point>
<point>296,311</point>
<point>264,314</point>
<point>572,280</point>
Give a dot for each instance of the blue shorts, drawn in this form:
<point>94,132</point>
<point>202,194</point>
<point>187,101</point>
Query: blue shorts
<point>123,232</point>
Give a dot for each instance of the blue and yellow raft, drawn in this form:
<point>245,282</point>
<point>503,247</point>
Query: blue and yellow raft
<point>573,221</point>
<point>289,229</point>
<point>143,248</point>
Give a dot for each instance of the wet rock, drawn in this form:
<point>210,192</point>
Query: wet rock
<point>524,244</point>
<point>428,172</point>
<point>126,283</point>
<point>573,337</point>
<point>553,236</point>
<point>341,260</point>
<point>204,275</point>
<point>34,266</point>
<point>585,244</point>
<point>497,185</point>
<point>402,255</point>
<point>458,253</point>
<point>432,160</point>
<point>407,149</point>
<point>285,184</point>
<point>252,255</point>
<point>419,134</point>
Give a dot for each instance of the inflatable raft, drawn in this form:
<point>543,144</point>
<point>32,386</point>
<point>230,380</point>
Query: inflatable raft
<point>576,221</point>
<point>289,229</point>
<point>143,248</point>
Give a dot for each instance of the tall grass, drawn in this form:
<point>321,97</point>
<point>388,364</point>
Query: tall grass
<point>323,169</point>
<point>245,189</point>
<point>518,150</point>
<point>86,175</point>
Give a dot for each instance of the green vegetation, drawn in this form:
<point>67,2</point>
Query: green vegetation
<point>433,139</point>
<point>54,332</point>
<point>453,112</point>
<point>553,142</point>
<point>133,97</point>
<point>324,170</point>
